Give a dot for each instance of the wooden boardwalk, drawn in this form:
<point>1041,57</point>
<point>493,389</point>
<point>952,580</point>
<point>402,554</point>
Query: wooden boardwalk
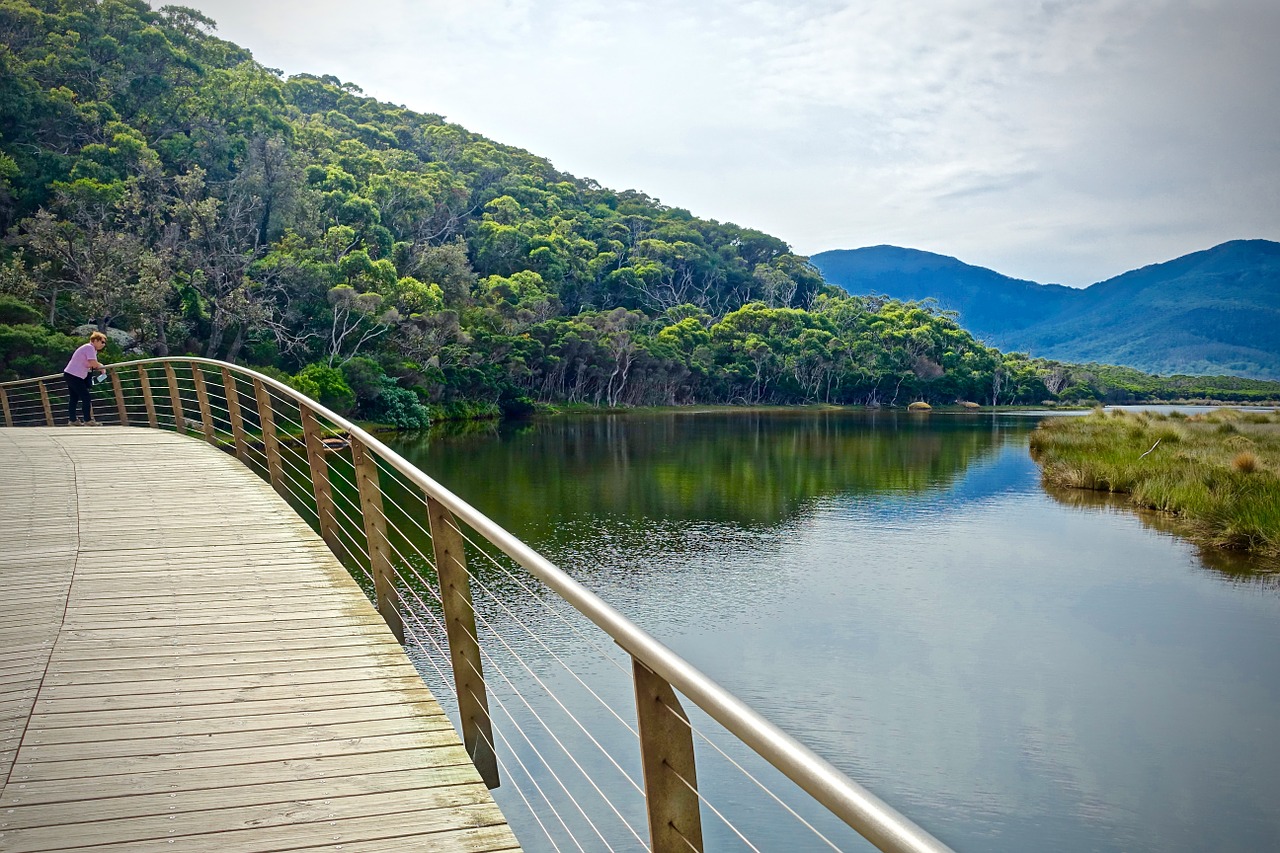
<point>184,666</point>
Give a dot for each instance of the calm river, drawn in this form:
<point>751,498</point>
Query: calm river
<point>1013,670</point>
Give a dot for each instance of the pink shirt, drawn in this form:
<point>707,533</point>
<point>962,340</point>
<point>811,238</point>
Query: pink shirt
<point>79,363</point>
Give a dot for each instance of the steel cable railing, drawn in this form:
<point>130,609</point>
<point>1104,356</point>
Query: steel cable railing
<point>369,505</point>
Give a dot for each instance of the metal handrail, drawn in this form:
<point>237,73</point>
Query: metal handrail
<point>863,811</point>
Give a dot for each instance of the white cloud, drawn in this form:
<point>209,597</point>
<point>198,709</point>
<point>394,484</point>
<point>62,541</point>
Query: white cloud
<point>1063,140</point>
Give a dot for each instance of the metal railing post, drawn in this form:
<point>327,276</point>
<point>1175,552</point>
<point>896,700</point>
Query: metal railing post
<point>119,393</point>
<point>270,444</point>
<point>464,642</point>
<point>232,393</point>
<point>175,400</point>
<point>147,398</point>
<point>666,753</point>
<point>375,531</point>
<point>202,395</point>
<point>320,483</point>
<point>4,403</point>
<point>44,400</point>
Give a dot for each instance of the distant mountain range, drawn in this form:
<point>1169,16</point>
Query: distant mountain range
<point>1210,312</point>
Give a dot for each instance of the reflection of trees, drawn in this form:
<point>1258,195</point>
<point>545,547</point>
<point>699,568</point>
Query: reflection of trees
<point>1237,565</point>
<point>748,468</point>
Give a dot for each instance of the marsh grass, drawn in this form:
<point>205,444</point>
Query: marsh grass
<point>1219,472</point>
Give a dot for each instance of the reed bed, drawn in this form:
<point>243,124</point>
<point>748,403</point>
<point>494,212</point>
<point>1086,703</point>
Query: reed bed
<point>1219,471</point>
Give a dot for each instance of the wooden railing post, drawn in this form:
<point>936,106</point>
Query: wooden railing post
<point>119,392</point>
<point>175,400</point>
<point>464,642</point>
<point>202,395</point>
<point>147,398</point>
<point>375,531</point>
<point>666,753</point>
<point>4,403</point>
<point>270,444</point>
<point>232,393</point>
<point>44,400</point>
<point>320,483</point>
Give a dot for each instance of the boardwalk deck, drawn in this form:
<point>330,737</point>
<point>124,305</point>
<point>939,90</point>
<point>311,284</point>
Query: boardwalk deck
<point>185,666</point>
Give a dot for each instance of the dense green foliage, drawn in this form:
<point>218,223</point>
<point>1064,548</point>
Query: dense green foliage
<point>156,179</point>
<point>1220,472</point>
<point>1214,311</point>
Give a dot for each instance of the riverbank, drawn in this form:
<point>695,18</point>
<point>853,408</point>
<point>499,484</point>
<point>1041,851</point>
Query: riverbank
<point>1219,472</point>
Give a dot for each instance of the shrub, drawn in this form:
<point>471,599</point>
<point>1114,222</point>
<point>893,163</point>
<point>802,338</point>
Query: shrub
<point>27,351</point>
<point>517,406</point>
<point>366,379</point>
<point>380,399</point>
<point>15,312</point>
<point>399,407</point>
<point>327,386</point>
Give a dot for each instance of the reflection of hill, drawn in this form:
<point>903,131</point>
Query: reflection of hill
<point>748,468</point>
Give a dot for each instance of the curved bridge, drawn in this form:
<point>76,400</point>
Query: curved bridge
<point>184,665</point>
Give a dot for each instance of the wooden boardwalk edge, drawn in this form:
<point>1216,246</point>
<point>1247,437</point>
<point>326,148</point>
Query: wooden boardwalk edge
<point>185,666</point>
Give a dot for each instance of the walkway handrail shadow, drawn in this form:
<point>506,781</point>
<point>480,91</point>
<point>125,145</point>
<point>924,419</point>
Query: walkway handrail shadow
<point>352,487</point>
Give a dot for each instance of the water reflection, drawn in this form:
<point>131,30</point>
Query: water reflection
<point>1237,565</point>
<point>755,469</point>
<point>1016,671</point>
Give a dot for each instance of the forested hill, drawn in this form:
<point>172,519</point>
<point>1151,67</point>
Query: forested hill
<point>1215,311</point>
<point>155,179</point>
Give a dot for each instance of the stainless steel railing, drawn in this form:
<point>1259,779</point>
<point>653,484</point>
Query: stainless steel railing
<point>338,474</point>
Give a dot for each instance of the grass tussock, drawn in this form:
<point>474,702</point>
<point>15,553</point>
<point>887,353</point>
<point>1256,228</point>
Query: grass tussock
<point>1245,462</point>
<point>1220,472</point>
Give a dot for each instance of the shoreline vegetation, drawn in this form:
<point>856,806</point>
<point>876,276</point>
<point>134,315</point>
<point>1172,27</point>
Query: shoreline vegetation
<point>1218,473</point>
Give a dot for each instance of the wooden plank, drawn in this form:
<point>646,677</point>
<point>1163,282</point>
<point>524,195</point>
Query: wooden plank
<point>175,400</point>
<point>327,834</point>
<point>236,797</point>
<point>122,411</point>
<point>357,696</point>
<point>464,645</point>
<point>44,401</point>
<point>147,397</point>
<point>131,669</point>
<point>211,641</point>
<point>64,703</point>
<point>180,825</point>
<point>87,730</point>
<point>270,443</point>
<point>321,487</point>
<point>231,393</point>
<point>57,687</point>
<point>319,770</point>
<point>229,747</point>
<point>202,397</point>
<point>337,637</point>
<point>214,629</point>
<point>375,529</point>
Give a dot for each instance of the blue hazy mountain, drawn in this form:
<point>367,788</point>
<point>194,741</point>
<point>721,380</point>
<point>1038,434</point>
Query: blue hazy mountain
<point>1210,312</point>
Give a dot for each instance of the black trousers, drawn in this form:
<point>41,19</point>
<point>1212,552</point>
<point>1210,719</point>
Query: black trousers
<point>79,390</point>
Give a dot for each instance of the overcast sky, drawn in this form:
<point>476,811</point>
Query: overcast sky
<point>1054,140</point>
